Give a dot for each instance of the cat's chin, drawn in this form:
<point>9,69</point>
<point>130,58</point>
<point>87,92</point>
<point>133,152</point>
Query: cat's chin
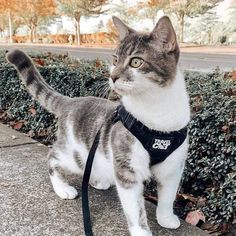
<point>121,91</point>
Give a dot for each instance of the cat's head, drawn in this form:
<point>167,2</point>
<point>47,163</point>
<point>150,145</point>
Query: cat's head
<point>144,60</point>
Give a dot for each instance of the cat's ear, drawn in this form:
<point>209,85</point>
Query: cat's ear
<point>164,33</point>
<point>121,27</point>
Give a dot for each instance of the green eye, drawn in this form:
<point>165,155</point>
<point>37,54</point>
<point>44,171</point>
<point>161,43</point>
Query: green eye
<point>136,62</point>
<point>115,60</point>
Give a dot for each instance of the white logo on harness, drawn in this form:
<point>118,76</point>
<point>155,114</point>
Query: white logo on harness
<point>161,144</point>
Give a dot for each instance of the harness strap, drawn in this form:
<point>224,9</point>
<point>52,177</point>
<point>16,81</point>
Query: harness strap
<point>158,144</point>
<point>85,183</point>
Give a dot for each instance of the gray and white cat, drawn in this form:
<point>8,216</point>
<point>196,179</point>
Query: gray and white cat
<point>145,73</point>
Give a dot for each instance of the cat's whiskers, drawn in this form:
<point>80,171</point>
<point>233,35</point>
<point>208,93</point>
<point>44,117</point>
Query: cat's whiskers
<point>103,90</point>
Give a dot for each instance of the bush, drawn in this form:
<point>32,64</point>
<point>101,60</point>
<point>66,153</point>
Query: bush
<point>223,39</point>
<point>68,77</point>
<point>211,167</point>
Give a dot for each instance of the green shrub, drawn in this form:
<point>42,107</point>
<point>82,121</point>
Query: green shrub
<point>67,76</point>
<point>223,39</point>
<point>211,167</point>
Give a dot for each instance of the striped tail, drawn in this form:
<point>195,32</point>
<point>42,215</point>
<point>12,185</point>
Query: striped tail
<point>35,84</point>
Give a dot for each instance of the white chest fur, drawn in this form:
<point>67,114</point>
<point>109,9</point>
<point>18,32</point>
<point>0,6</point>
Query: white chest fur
<point>163,109</point>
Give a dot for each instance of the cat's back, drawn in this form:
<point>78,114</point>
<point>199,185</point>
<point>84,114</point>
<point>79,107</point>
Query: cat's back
<point>92,109</point>
<point>85,116</point>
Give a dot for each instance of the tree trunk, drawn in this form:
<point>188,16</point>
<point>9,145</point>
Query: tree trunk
<point>31,35</point>
<point>34,34</point>
<point>182,28</point>
<point>77,30</point>
<point>10,26</point>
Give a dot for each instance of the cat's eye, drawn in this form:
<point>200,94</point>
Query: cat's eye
<point>136,62</point>
<point>115,61</point>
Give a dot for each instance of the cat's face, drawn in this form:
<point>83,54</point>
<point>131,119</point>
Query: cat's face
<point>143,61</point>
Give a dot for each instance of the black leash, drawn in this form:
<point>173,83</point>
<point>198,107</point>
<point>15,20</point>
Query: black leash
<point>85,201</point>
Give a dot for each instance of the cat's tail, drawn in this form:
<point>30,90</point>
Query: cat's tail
<point>35,84</point>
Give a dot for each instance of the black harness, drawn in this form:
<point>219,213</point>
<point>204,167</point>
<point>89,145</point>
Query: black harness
<point>158,144</point>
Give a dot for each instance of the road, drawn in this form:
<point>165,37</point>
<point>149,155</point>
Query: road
<point>202,60</point>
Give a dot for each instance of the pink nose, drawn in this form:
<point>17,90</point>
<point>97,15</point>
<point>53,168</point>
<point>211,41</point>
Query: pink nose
<point>114,78</point>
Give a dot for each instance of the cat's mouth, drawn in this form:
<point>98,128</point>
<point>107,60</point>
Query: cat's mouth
<point>122,87</point>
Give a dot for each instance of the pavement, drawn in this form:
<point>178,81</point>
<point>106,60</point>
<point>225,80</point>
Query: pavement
<point>29,207</point>
<point>193,58</point>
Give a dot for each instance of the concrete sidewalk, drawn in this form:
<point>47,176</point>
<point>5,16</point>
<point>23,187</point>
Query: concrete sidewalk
<point>28,205</point>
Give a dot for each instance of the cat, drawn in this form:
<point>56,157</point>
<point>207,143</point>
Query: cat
<point>146,75</point>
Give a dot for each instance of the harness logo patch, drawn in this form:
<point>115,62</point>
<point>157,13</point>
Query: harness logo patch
<point>161,144</point>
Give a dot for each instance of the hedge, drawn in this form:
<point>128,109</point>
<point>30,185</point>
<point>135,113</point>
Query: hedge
<point>210,173</point>
<point>68,77</point>
<point>211,166</point>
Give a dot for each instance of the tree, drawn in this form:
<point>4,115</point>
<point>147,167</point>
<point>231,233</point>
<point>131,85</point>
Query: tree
<point>125,11</point>
<point>3,24</point>
<point>230,25</point>
<point>205,28</point>
<point>150,8</point>
<point>78,8</point>
<point>190,8</point>
<point>8,7</point>
<point>34,12</point>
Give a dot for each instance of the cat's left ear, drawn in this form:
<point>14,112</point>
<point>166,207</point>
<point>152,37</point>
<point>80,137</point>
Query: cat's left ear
<point>121,27</point>
<point>164,33</point>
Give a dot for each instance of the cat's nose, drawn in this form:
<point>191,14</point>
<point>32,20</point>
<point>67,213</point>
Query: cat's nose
<point>114,78</point>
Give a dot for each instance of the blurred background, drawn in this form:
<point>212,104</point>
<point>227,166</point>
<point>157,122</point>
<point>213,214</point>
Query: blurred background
<point>88,22</point>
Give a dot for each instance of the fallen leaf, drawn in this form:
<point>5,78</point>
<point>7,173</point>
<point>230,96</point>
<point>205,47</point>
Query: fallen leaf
<point>39,61</point>
<point>225,228</point>
<point>33,111</point>
<point>233,75</point>
<point>193,217</point>
<point>209,226</point>
<point>17,125</point>
<point>201,202</point>
<point>98,63</point>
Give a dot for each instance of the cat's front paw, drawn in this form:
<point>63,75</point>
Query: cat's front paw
<point>169,222</point>
<point>100,186</point>
<point>67,192</point>
<point>138,231</point>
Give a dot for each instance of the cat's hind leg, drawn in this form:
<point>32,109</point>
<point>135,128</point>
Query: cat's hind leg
<point>59,165</point>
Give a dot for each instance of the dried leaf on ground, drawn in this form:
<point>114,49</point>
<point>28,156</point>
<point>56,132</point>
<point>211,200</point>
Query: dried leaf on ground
<point>17,125</point>
<point>193,217</point>
<point>33,111</point>
<point>233,75</point>
<point>209,227</point>
<point>98,63</point>
<point>39,61</point>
